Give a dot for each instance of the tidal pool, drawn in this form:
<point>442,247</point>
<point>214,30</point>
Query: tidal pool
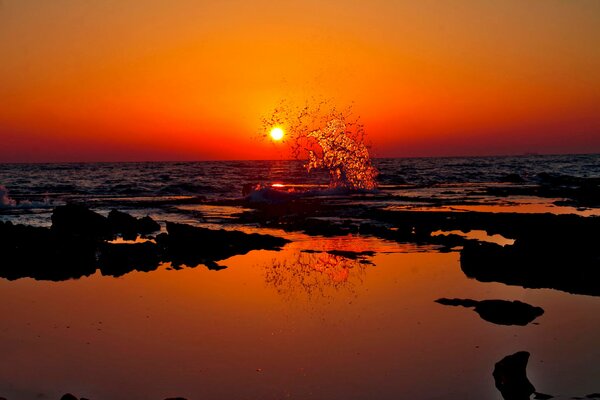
<point>301,323</point>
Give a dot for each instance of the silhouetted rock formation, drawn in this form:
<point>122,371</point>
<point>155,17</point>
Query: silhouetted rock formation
<point>68,396</point>
<point>189,245</point>
<point>129,226</point>
<point>69,249</point>
<point>41,254</point>
<point>555,265</point>
<point>499,312</point>
<point>120,259</point>
<point>550,251</point>
<point>510,376</point>
<point>80,221</point>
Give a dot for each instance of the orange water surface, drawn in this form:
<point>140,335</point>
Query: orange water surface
<point>288,325</point>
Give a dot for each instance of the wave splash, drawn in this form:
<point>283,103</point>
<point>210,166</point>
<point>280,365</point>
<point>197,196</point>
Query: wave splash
<point>330,140</point>
<point>5,200</point>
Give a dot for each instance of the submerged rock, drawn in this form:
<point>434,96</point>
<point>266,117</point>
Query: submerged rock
<point>510,377</point>
<point>501,312</point>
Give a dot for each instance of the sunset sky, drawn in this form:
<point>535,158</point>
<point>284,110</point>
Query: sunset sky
<point>128,80</point>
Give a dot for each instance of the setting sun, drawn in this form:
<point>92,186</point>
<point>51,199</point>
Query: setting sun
<point>276,134</point>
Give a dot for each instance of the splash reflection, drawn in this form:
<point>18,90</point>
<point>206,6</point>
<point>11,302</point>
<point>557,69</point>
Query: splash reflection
<point>312,275</point>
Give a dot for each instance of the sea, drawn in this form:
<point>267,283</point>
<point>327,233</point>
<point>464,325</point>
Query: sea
<point>28,192</point>
<point>328,316</point>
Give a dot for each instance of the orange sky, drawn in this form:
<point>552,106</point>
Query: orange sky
<point>190,79</point>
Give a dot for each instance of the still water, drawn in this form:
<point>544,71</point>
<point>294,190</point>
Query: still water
<point>330,328</point>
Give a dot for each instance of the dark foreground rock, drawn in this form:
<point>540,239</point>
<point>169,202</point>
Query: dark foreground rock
<point>78,220</point>
<point>71,250</point>
<point>533,264</point>
<point>501,312</point>
<point>42,254</point>
<point>120,259</point>
<point>510,377</point>
<point>130,226</point>
<point>189,245</point>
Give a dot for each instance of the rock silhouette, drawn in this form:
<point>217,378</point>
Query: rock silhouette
<point>501,312</point>
<point>130,226</point>
<point>510,377</point>
<point>76,246</point>
<point>530,264</point>
<point>189,245</point>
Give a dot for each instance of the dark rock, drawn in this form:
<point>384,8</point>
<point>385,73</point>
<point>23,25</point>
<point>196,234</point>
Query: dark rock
<point>191,246</point>
<point>176,398</point>
<point>68,396</point>
<point>593,396</point>
<point>123,223</point>
<point>130,226</point>
<point>40,253</point>
<point>542,396</point>
<point>147,225</point>
<point>535,264</point>
<point>78,220</point>
<point>120,259</point>
<point>510,377</point>
<point>499,312</point>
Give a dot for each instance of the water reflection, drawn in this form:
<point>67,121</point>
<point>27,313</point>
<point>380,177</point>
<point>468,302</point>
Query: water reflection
<point>312,275</point>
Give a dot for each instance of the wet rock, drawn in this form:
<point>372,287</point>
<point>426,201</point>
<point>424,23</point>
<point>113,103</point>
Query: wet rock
<point>41,254</point>
<point>123,223</point>
<point>510,377</point>
<point>78,220</point>
<point>534,263</point>
<point>147,225</point>
<point>130,226</point>
<point>501,312</point>
<point>120,259</point>
<point>191,246</point>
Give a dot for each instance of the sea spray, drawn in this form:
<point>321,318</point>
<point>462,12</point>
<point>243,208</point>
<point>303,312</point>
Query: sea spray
<point>5,200</point>
<point>329,140</point>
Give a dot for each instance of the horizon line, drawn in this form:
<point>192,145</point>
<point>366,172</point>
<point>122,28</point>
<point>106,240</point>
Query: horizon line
<point>527,154</point>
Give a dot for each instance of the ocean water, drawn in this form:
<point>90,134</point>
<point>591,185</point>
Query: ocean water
<point>29,191</point>
<point>309,321</point>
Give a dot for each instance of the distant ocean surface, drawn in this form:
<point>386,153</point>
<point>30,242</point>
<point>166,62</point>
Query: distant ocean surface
<point>29,191</point>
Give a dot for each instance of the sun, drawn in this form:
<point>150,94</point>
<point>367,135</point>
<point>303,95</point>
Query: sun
<point>276,133</point>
